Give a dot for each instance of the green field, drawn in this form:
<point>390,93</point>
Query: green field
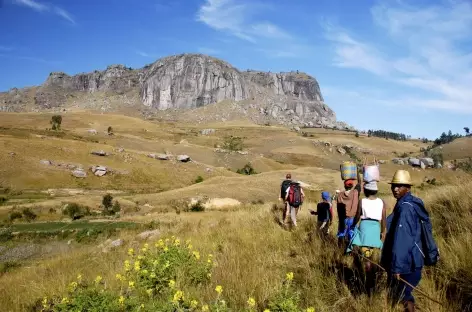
<point>58,226</point>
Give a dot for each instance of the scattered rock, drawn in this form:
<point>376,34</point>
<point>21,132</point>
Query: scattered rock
<point>414,162</point>
<point>183,158</point>
<point>12,153</point>
<point>45,162</point>
<point>422,165</point>
<point>99,171</point>
<point>207,131</point>
<point>92,131</point>
<point>341,150</point>
<point>121,150</point>
<point>296,128</point>
<point>382,162</point>
<point>149,234</point>
<point>78,173</point>
<point>243,152</point>
<point>163,157</point>
<point>99,153</point>
<point>117,243</point>
<point>429,162</point>
<point>398,161</point>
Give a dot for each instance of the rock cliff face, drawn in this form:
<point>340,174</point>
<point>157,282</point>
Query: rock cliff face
<point>185,81</point>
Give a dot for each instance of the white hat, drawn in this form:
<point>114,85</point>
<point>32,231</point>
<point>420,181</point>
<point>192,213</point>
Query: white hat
<point>372,186</point>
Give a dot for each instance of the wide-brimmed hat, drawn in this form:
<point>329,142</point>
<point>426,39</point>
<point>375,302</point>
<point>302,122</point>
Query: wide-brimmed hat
<point>401,177</point>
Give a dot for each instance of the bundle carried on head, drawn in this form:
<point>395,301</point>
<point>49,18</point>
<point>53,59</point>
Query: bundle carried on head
<point>371,173</point>
<point>348,170</point>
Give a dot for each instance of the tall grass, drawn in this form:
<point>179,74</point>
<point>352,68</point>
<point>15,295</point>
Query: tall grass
<point>252,252</point>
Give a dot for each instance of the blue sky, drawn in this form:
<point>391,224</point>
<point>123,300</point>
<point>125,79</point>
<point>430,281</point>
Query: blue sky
<point>399,65</point>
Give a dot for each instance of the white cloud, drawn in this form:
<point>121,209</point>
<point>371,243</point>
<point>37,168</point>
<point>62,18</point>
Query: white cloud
<point>41,7</point>
<point>238,19</point>
<point>146,54</point>
<point>32,4</point>
<point>428,53</point>
<point>64,14</point>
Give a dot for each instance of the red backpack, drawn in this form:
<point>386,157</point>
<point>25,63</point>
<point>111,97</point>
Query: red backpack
<point>295,195</point>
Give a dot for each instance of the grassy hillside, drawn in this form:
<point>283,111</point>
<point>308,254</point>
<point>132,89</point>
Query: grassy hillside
<point>252,253</point>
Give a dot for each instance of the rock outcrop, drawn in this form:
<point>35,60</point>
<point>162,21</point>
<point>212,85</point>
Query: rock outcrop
<point>185,81</point>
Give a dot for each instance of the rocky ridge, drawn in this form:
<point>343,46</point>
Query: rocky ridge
<point>183,82</point>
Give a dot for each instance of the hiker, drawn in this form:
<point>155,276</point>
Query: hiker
<point>346,206</point>
<point>369,235</point>
<point>294,196</point>
<point>402,255</point>
<point>283,188</point>
<point>324,211</point>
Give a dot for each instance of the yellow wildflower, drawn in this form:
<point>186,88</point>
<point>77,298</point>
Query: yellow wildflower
<point>160,243</point>
<point>196,254</point>
<point>137,266</point>
<point>98,279</point>
<point>205,308</point>
<point>144,250</point>
<point>166,248</point>
<point>179,295</point>
<point>167,264</point>
<point>140,257</point>
<point>266,310</point>
<point>210,256</point>
<point>131,252</point>
<point>187,242</point>
<point>209,261</point>
<point>121,300</point>
<point>153,275</point>
<point>45,302</point>
<point>194,304</point>
<point>119,277</point>
<point>177,242</point>
<point>79,278</point>
<point>209,275</point>
<point>289,276</point>
<point>127,265</point>
<point>310,310</point>
<point>146,246</point>
<point>189,246</point>
<point>65,300</point>
<point>167,240</point>
<point>172,284</point>
<point>73,285</point>
<point>149,292</point>
<point>251,302</point>
<point>155,263</point>
<point>219,289</point>
<point>131,284</point>
<point>142,306</point>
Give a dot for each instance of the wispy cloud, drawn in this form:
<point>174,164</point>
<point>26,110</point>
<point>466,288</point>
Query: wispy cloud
<point>42,7</point>
<point>429,53</point>
<point>238,19</point>
<point>146,54</point>
<point>6,48</point>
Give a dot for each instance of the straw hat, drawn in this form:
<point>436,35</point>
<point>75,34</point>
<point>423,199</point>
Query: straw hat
<point>401,177</point>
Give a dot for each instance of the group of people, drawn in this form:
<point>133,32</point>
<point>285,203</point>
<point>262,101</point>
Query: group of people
<point>365,230</point>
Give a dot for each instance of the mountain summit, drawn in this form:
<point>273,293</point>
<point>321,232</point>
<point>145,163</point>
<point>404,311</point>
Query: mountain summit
<point>182,82</point>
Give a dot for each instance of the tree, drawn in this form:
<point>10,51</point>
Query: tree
<point>232,143</point>
<point>107,203</point>
<point>56,122</point>
<point>116,207</point>
<point>467,130</point>
<point>110,130</point>
<point>357,134</point>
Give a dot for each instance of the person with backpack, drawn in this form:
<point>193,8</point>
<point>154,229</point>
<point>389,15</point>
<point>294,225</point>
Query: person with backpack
<point>324,211</point>
<point>294,196</point>
<point>409,243</point>
<point>283,189</point>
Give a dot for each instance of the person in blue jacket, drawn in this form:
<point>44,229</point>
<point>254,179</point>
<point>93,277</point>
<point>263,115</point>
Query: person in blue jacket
<point>402,254</point>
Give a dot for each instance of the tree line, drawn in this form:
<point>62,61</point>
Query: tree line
<point>388,135</point>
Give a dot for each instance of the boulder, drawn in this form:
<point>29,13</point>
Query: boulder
<point>99,153</point>
<point>117,243</point>
<point>149,234</point>
<point>414,162</point>
<point>207,131</point>
<point>422,165</point>
<point>183,158</point>
<point>78,173</point>
<point>92,131</point>
<point>45,162</point>
<point>163,157</point>
<point>429,162</point>
<point>243,152</point>
<point>341,150</point>
<point>296,128</point>
<point>99,171</point>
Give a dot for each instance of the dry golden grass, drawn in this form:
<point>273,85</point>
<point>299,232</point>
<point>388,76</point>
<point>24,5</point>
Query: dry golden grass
<point>458,149</point>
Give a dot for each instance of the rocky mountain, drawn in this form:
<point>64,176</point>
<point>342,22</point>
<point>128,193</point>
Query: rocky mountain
<point>185,81</point>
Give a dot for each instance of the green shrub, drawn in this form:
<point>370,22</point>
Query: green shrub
<point>76,211</point>
<point>199,179</point>
<point>116,207</point>
<point>247,170</point>
<point>107,203</point>
<point>197,207</point>
<point>3,199</point>
<point>29,215</point>
<point>14,215</point>
<point>5,235</point>
<point>233,143</point>
<point>56,122</point>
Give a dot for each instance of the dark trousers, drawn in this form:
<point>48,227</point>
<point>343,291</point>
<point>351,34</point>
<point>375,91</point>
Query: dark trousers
<point>401,292</point>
